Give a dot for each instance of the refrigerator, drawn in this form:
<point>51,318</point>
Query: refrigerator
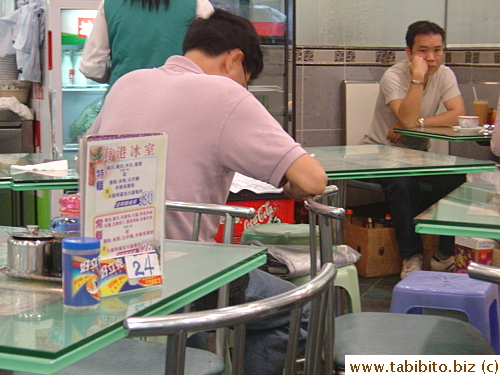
<point>66,102</point>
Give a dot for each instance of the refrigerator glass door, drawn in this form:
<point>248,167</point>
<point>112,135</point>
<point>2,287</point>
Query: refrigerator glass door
<point>81,97</point>
<point>272,21</point>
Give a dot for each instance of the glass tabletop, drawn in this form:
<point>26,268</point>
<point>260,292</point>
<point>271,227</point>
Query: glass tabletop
<point>22,180</point>
<point>373,161</point>
<point>35,329</point>
<point>471,210</point>
<point>448,133</point>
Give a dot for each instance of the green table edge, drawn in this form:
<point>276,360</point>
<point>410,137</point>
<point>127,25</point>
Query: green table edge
<point>19,186</point>
<point>456,230</point>
<point>46,366</point>
<point>463,138</point>
<point>489,167</point>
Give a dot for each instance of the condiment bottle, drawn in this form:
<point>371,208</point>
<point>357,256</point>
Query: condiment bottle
<point>388,221</point>
<point>369,223</point>
<point>67,70</point>
<point>66,225</point>
<point>348,215</point>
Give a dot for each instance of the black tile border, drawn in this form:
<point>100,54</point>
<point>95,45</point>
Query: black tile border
<point>304,55</point>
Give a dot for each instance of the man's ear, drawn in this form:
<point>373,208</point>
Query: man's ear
<point>234,59</point>
<point>408,52</point>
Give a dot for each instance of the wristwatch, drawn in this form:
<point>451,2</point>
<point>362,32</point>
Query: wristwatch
<point>421,122</point>
<point>415,82</point>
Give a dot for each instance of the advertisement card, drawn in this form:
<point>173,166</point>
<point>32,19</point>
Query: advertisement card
<point>123,204</point>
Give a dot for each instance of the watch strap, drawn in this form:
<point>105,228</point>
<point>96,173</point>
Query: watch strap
<point>415,82</point>
<point>421,122</point>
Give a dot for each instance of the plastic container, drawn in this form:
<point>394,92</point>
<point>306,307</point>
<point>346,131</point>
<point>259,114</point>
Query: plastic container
<point>80,271</point>
<point>62,227</point>
<point>70,205</point>
<point>66,225</point>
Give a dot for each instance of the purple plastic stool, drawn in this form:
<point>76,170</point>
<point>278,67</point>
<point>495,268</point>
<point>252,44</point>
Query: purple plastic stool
<point>450,291</point>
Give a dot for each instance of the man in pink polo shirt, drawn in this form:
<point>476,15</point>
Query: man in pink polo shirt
<point>216,128</point>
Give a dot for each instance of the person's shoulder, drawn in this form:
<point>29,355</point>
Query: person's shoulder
<point>135,77</point>
<point>445,74</point>
<point>395,72</point>
<point>399,67</point>
<point>444,69</point>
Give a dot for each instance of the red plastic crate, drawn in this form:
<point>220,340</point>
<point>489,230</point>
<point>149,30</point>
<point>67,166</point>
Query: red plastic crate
<point>268,211</point>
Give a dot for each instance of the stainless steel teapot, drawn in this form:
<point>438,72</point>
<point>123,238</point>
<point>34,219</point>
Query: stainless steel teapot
<point>29,253</point>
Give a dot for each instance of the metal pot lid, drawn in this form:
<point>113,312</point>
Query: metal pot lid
<point>32,234</point>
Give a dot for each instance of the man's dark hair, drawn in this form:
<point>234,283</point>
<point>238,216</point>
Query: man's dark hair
<point>422,27</point>
<point>223,32</point>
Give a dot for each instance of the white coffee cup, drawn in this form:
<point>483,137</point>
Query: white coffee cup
<point>468,121</point>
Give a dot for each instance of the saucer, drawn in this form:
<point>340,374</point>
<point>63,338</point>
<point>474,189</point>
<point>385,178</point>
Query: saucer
<point>474,130</point>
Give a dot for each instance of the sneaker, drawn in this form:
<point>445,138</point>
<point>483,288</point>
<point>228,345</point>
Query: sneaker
<point>447,265</point>
<point>412,264</point>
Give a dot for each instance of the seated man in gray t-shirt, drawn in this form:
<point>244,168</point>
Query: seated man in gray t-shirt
<point>410,95</point>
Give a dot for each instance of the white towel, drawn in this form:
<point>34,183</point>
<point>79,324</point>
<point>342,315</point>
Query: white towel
<point>11,103</point>
<point>57,168</point>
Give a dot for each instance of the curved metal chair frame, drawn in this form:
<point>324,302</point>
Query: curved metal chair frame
<point>320,329</point>
<point>361,333</point>
<point>229,213</point>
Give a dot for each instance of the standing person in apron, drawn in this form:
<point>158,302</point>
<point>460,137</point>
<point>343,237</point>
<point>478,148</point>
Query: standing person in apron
<point>137,34</point>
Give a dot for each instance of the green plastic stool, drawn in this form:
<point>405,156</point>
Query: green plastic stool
<point>298,234</point>
<point>347,279</point>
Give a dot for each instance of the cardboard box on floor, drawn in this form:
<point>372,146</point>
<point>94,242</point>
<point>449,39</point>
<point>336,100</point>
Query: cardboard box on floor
<point>379,249</point>
<point>479,250</point>
<point>495,259</point>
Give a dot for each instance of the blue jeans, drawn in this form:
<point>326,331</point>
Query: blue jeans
<point>406,201</point>
<point>266,341</point>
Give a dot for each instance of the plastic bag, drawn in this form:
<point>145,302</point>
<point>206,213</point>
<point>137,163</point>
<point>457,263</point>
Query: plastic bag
<point>84,120</point>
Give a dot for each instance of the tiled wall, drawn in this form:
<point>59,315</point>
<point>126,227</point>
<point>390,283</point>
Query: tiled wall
<point>321,71</point>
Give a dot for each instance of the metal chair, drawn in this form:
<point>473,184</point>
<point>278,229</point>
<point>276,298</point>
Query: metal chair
<point>369,333</point>
<point>230,213</point>
<point>483,272</point>
<point>176,326</point>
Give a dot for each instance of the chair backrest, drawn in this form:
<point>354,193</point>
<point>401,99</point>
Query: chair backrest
<point>359,104</point>
<point>318,291</point>
<point>320,213</point>
<point>229,213</point>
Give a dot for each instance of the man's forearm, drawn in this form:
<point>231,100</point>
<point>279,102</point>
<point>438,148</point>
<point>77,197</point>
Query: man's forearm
<point>411,106</point>
<point>446,118</point>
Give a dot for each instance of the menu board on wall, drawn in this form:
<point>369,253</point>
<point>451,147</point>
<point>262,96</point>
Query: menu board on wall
<point>122,184</point>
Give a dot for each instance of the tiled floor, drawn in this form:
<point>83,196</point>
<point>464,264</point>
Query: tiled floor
<point>376,292</point>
